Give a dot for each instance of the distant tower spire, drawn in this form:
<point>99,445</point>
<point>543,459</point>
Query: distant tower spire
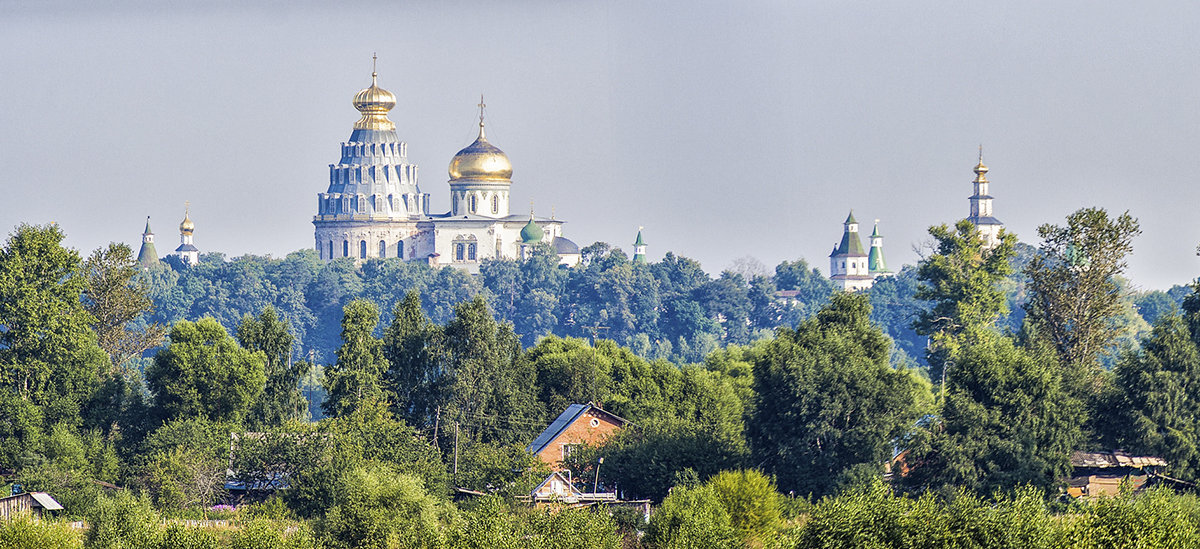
<point>981,206</point>
<point>639,248</point>
<point>481,106</point>
<point>147,255</point>
<point>374,75</point>
<point>186,250</point>
<point>876,266</point>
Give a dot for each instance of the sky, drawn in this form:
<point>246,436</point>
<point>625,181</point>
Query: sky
<point>726,129</point>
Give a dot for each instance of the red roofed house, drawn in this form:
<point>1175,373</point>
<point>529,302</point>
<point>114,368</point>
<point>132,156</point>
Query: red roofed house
<point>579,424</point>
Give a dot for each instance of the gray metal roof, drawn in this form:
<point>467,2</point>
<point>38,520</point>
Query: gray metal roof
<point>557,427</point>
<point>46,501</point>
<point>564,246</point>
<point>984,220</point>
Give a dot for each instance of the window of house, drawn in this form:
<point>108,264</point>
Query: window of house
<point>471,252</point>
<point>382,248</point>
<point>459,251</point>
<point>568,449</point>
<point>400,249</point>
<point>362,249</point>
<point>594,422</point>
<point>495,203</point>
<point>330,256</point>
<point>345,248</point>
<point>471,203</point>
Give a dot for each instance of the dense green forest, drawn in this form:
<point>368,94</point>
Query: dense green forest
<point>358,399</point>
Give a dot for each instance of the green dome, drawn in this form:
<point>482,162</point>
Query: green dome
<point>531,232</point>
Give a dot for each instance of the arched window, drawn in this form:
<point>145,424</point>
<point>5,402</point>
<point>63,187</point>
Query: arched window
<point>330,256</point>
<point>471,251</point>
<point>362,203</point>
<point>458,251</point>
<point>345,248</point>
<point>400,249</point>
<point>382,248</point>
<point>362,249</point>
<point>495,203</point>
<point>471,203</point>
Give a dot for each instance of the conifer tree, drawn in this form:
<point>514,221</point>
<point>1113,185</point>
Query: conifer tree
<point>357,376</point>
<point>281,400</point>
<point>961,281</point>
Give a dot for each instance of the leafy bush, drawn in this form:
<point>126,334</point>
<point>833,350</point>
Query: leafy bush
<point>123,521</point>
<point>378,507</point>
<point>24,532</point>
<point>691,518</point>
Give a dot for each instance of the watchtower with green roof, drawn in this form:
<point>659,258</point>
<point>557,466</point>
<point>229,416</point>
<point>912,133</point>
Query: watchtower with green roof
<point>875,263</point>
<point>147,255</point>
<point>848,263</point>
<point>639,248</point>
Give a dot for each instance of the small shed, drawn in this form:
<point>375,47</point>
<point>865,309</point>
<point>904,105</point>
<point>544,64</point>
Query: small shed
<point>1096,474</point>
<point>36,503</point>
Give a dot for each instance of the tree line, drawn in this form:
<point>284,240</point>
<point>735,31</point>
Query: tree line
<point>768,435</point>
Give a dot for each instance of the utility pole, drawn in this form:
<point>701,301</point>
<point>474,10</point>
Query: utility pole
<point>437,420</point>
<point>455,452</point>
<point>595,369</point>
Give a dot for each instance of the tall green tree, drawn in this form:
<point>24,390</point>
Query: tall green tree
<point>413,348</point>
<point>486,381</point>
<point>204,373</point>
<point>828,402</point>
<point>357,376</point>
<point>49,359</point>
<point>961,281</point>
<point>281,400</point>
<point>1007,420</point>
<point>1073,289</point>
<point>117,299</point>
<point>1157,399</point>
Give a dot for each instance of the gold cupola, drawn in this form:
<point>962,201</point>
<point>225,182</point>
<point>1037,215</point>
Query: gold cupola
<point>186,227</point>
<point>374,103</point>
<point>481,160</point>
<point>980,169</point>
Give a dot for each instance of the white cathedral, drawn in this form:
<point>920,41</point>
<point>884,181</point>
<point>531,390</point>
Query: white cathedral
<point>374,207</point>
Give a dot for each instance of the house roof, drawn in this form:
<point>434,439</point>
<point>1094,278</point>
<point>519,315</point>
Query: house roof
<point>564,420</point>
<point>1106,460</point>
<point>46,501</point>
<point>567,483</point>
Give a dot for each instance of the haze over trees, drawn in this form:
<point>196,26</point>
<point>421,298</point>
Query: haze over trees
<point>756,420</point>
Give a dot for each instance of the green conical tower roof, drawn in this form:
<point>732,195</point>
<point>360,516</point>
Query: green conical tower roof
<point>639,248</point>
<point>851,245</point>
<point>875,262</point>
<point>147,255</point>
<point>531,232</point>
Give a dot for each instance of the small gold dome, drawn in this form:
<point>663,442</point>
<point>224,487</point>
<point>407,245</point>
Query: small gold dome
<point>481,160</point>
<point>374,103</point>
<point>187,227</point>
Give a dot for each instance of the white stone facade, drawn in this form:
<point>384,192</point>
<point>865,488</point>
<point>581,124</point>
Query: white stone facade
<point>374,207</point>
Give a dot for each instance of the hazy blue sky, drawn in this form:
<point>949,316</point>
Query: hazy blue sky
<point>727,129</point>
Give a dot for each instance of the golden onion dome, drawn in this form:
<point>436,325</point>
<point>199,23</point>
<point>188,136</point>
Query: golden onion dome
<point>374,103</point>
<point>980,168</point>
<point>186,227</point>
<point>481,160</point>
